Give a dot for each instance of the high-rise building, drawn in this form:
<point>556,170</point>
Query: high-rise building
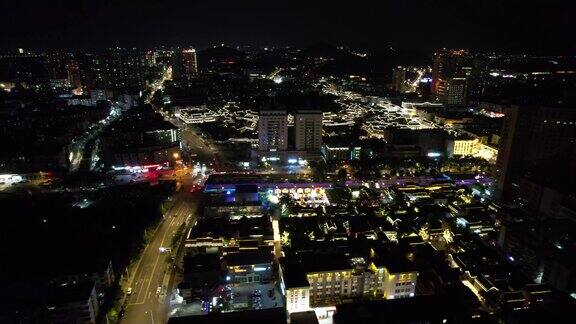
<point>184,65</point>
<point>74,76</point>
<point>114,69</point>
<point>455,92</point>
<point>92,70</point>
<point>124,69</point>
<point>72,303</point>
<point>150,58</point>
<point>141,137</point>
<point>190,62</point>
<point>537,143</point>
<point>447,64</point>
<point>398,79</point>
<point>29,68</point>
<point>478,77</point>
<point>273,130</point>
<point>308,130</point>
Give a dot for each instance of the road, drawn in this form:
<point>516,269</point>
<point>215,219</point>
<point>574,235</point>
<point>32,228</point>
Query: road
<point>77,148</point>
<point>159,84</point>
<point>205,151</point>
<point>192,141</point>
<point>153,270</point>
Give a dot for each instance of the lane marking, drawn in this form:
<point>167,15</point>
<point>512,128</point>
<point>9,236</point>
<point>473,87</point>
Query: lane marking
<point>143,280</point>
<point>181,211</point>
<point>142,272</point>
<point>157,259</point>
<point>140,260</point>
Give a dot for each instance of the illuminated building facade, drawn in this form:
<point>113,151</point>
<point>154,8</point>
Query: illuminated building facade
<point>190,62</point>
<point>273,130</point>
<point>455,94</point>
<point>465,146</point>
<point>487,152</point>
<point>248,267</point>
<point>116,69</point>
<point>308,130</point>
<point>124,69</point>
<point>74,76</point>
<point>336,152</point>
<point>399,79</point>
<point>447,64</point>
<point>400,284</point>
<point>297,299</point>
<point>141,138</point>
<point>334,279</point>
<point>184,65</point>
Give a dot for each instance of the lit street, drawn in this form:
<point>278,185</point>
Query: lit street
<point>223,162</point>
<point>154,274</point>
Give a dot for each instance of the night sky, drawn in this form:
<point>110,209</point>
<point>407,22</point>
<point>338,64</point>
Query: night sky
<point>417,24</point>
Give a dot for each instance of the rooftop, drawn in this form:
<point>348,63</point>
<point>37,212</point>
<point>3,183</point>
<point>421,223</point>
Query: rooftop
<point>294,275</point>
<point>70,293</point>
<point>269,315</point>
<point>242,258</point>
<point>308,317</point>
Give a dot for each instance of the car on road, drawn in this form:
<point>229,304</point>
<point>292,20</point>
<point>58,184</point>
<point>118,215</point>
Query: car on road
<point>158,290</point>
<point>129,291</point>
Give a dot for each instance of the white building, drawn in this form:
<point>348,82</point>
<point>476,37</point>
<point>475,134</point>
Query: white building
<point>329,281</point>
<point>399,283</point>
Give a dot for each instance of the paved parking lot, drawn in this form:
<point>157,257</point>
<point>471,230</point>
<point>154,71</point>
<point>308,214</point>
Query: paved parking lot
<point>243,294</point>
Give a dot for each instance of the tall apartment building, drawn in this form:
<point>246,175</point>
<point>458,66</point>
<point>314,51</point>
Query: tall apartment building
<point>273,130</point>
<point>124,69</point>
<point>447,64</point>
<point>113,69</point>
<point>308,130</point>
<point>538,144</point>
<point>190,62</point>
<point>74,76</point>
<point>72,303</point>
<point>398,78</point>
<point>184,65</point>
<point>455,93</point>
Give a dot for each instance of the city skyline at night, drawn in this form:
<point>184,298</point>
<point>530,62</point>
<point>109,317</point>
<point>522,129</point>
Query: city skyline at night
<point>287,162</point>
